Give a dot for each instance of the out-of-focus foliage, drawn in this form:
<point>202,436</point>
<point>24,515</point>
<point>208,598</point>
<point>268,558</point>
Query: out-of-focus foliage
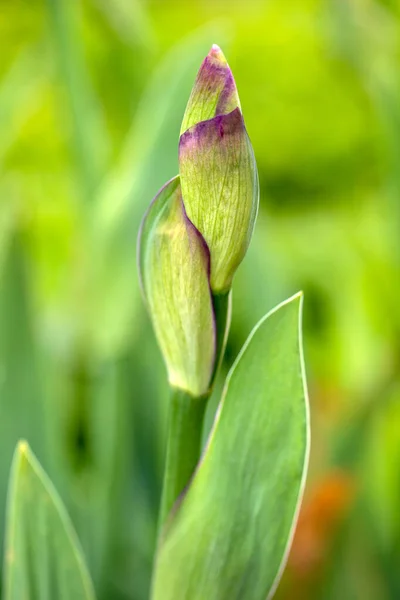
<point>43,558</point>
<point>92,95</point>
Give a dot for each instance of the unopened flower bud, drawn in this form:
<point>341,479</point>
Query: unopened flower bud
<point>217,168</point>
<point>174,271</point>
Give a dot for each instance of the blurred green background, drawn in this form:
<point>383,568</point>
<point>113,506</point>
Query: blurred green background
<point>92,93</point>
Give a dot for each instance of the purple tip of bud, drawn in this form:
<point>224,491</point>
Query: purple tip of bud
<point>212,70</point>
<point>214,92</point>
<point>217,52</point>
<point>216,69</point>
<point>226,94</point>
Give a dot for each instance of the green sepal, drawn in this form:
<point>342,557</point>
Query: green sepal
<point>174,271</point>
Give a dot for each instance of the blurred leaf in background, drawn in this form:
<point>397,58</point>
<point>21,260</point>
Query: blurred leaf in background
<point>43,556</point>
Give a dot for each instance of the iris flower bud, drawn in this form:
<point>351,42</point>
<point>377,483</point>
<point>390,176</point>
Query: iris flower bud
<point>174,269</point>
<point>197,230</point>
<point>217,168</point>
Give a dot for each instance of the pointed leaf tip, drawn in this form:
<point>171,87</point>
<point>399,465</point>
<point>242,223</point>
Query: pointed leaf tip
<point>23,448</point>
<point>43,557</point>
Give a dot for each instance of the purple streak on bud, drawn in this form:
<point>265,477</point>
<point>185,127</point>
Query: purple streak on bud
<point>204,131</point>
<point>220,190</point>
<point>214,92</point>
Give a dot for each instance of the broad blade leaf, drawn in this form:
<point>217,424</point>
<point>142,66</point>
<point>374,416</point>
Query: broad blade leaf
<point>43,558</point>
<point>229,536</point>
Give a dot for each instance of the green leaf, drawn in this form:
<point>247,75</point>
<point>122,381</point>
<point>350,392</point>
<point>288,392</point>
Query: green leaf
<point>43,558</point>
<point>228,538</point>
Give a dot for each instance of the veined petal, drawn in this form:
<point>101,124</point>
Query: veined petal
<point>220,190</point>
<point>214,92</point>
<point>174,268</point>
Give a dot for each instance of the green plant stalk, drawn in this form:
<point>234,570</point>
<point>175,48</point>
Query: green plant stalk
<point>186,416</point>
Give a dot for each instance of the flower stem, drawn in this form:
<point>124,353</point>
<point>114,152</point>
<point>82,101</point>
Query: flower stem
<point>186,416</point>
<point>183,446</point>
<point>222,304</point>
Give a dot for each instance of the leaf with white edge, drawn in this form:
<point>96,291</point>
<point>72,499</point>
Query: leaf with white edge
<point>43,559</point>
<point>229,536</point>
